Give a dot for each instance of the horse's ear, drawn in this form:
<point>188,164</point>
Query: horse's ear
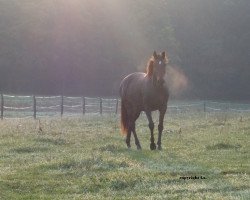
<point>155,55</point>
<point>163,54</point>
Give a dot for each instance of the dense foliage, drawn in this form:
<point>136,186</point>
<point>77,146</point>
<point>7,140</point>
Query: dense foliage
<point>83,47</point>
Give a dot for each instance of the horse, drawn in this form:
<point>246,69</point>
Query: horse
<point>145,92</point>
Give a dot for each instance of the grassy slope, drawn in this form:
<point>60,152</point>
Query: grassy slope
<point>87,159</point>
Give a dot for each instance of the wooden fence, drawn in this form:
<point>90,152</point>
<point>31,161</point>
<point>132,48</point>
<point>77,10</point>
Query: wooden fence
<point>47,106</point>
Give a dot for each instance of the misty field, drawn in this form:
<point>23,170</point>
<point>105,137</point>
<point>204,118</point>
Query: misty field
<point>86,158</point>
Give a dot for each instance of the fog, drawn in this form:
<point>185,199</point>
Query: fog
<point>83,47</point>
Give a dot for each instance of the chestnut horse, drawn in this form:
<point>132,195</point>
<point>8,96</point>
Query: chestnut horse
<point>144,92</point>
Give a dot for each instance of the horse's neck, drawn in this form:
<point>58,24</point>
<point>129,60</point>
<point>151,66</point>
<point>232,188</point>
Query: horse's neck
<point>151,83</point>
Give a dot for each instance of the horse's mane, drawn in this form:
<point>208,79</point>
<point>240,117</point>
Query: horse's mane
<point>150,67</point>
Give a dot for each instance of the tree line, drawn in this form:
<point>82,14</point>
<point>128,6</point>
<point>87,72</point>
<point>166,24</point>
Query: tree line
<point>84,47</point>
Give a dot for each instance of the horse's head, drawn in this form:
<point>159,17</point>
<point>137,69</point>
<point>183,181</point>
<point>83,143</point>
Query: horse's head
<point>157,67</point>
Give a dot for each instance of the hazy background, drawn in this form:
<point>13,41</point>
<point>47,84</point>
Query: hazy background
<point>86,47</point>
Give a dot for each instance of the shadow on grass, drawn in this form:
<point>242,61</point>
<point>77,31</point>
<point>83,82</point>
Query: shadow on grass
<point>122,184</point>
<point>231,172</point>
<point>109,147</point>
<point>21,150</point>
<point>223,146</point>
<point>115,149</point>
<point>159,162</point>
<point>90,164</point>
<point>57,141</point>
<point>95,183</point>
<point>223,189</point>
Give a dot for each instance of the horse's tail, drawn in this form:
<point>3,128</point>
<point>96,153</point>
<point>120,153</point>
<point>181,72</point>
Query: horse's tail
<point>124,118</point>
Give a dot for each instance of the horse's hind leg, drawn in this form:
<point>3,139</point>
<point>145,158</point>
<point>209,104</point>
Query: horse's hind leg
<point>137,142</point>
<point>128,138</point>
<point>132,129</point>
<point>132,116</point>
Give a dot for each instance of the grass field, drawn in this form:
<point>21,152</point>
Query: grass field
<point>86,158</point>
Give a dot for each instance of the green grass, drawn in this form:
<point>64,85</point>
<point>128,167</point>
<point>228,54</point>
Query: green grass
<point>87,159</point>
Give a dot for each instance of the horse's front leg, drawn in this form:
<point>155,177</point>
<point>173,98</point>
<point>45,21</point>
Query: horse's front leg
<point>160,126</point>
<point>151,127</point>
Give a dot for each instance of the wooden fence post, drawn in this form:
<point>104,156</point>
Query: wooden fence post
<point>83,105</point>
<point>34,106</point>
<point>116,106</point>
<point>2,105</point>
<point>101,106</point>
<point>61,105</point>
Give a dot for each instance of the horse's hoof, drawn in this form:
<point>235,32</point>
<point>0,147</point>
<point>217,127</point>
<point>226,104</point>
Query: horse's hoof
<point>159,148</point>
<point>152,146</point>
<point>138,147</point>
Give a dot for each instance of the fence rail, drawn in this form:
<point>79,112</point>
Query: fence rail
<point>40,106</point>
<point>45,106</point>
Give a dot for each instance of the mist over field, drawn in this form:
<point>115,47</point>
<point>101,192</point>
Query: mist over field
<point>83,47</point>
